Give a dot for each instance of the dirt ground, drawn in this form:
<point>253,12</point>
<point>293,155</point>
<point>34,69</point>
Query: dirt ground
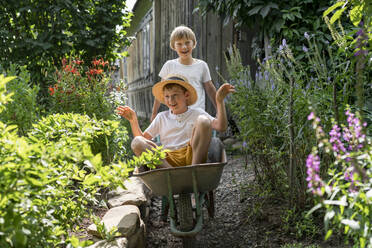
<point>242,218</point>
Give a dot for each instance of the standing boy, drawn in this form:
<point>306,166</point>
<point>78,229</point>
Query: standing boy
<point>183,41</point>
<point>183,130</point>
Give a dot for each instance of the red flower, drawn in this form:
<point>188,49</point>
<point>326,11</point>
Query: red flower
<point>68,68</point>
<point>51,91</point>
<point>104,63</point>
<point>96,62</point>
<point>75,71</point>
<point>78,62</point>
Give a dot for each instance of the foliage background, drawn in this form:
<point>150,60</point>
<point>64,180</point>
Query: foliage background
<point>39,34</point>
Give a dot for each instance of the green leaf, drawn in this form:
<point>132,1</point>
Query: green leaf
<point>351,223</point>
<point>255,10</point>
<point>316,207</point>
<point>356,14</point>
<point>333,7</point>
<point>329,233</point>
<point>74,241</point>
<point>337,15</point>
<point>265,10</point>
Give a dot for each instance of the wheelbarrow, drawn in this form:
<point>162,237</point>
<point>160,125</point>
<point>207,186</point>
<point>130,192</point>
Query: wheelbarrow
<point>200,180</point>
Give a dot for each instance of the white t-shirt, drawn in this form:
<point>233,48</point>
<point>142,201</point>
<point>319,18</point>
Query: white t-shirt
<point>197,74</point>
<point>175,130</point>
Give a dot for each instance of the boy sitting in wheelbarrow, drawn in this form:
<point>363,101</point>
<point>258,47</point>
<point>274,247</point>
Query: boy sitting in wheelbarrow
<point>185,131</point>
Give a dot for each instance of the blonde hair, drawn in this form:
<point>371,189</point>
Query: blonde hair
<point>182,32</point>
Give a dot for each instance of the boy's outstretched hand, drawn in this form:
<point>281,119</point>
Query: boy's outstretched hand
<point>126,112</point>
<point>223,91</point>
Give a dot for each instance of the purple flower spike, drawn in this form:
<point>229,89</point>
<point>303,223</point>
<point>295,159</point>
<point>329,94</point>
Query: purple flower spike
<point>314,181</point>
<point>311,116</point>
<point>305,49</point>
<point>306,35</point>
<point>284,43</point>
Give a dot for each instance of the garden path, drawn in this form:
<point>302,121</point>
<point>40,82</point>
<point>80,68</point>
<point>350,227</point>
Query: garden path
<point>227,229</point>
<point>243,219</point>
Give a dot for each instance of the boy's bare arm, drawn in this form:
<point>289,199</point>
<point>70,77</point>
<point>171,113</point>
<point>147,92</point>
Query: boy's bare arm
<point>155,109</point>
<point>131,116</point>
<point>220,123</point>
<point>211,92</point>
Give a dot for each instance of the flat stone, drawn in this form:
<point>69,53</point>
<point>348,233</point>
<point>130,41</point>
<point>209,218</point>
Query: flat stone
<point>92,229</point>
<point>229,141</point>
<point>135,193</point>
<point>127,198</point>
<point>238,145</point>
<point>126,218</point>
<point>117,243</point>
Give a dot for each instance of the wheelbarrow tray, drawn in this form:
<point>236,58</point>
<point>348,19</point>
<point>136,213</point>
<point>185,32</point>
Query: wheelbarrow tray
<point>207,176</point>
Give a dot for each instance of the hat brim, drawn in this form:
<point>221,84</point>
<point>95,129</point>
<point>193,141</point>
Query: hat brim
<point>157,90</point>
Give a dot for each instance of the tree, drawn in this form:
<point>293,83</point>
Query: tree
<point>271,18</point>
<point>40,33</point>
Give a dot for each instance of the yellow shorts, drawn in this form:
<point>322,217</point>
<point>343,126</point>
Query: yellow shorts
<point>180,157</point>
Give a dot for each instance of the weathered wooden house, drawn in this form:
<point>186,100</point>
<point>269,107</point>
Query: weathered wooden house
<point>151,26</point>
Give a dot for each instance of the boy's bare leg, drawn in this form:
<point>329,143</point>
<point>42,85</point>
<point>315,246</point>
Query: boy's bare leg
<point>141,144</point>
<point>200,139</point>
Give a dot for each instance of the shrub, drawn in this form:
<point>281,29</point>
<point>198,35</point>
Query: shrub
<point>106,137</point>
<point>23,110</point>
<point>46,187</point>
<point>85,89</point>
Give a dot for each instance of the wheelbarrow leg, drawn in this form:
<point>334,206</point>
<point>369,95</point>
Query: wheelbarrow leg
<point>164,208</point>
<point>210,203</point>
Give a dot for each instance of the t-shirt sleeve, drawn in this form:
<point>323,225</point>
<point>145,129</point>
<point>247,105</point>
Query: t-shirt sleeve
<point>206,76</point>
<point>203,112</point>
<point>153,129</point>
<point>165,69</point>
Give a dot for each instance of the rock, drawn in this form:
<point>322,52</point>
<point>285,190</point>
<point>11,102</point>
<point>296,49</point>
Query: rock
<point>127,198</point>
<point>237,145</point>
<point>117,243</point>
<point>92,229</point>
<point>229,141</point>
<point>126,218</point>
<point>138,240</point>
<point>136,193</point>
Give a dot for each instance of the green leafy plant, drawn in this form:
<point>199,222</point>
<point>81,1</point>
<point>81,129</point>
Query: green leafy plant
<point>23,110</point>
<point>105,137</point>
<point>356,42</point>
<point>150,159</point>
<point>269,109</point>
<point>44,189</point>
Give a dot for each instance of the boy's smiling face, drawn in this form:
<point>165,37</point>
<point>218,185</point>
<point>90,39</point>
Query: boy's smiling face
<point>176,99</point>
<point>184,48</point>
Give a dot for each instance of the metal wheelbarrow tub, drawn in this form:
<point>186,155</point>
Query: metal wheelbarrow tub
<point>207,176</point>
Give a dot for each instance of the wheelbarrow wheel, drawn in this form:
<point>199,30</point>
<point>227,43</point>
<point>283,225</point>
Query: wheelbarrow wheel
<point>186,219</point>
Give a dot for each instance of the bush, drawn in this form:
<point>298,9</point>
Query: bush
<point>46,187</point>
<point>106,137</point>
<point>23,110</point>
<point>85,89</point>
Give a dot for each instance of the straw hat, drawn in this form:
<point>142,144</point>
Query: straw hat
<point>157,89</point>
